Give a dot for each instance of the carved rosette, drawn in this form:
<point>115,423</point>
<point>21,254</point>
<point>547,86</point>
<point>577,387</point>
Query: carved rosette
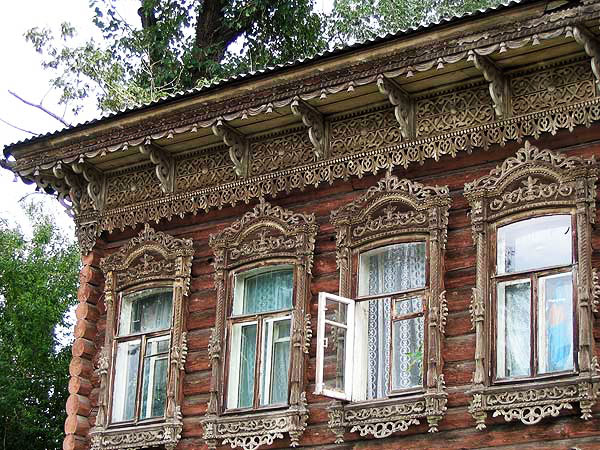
<point>532,180</point>
<point>394,208</point>
<point>149,257</point>
<point>267,233</point>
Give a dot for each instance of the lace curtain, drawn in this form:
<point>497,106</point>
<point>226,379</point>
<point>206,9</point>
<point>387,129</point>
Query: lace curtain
<point>391,269</point>
<point>270,291</point>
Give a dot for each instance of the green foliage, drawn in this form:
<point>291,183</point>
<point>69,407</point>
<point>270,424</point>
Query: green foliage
<point>38,282</point>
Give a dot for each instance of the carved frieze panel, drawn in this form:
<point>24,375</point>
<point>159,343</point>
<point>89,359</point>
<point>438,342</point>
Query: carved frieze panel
<point>454,111</point>
<point>208,168</point>
<point>364,132</point>
<point>552,87</point>
<point>132,186</point>
<point>541,180</point>
<point>281,152</point>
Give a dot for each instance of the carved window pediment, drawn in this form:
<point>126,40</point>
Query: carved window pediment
<point>148,260</point>
<point>546,184</point>
<point>395,210</point>
<point>266,237</point>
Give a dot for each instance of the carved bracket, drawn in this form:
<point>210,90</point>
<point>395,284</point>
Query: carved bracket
<point>238,146</point>
<point>403,105</point>
<point>49,183</point>
<point>591,45</point>
<point>314,120</point>
<point>498,84</point>
<point>165,167</point>
<point>95,183</point>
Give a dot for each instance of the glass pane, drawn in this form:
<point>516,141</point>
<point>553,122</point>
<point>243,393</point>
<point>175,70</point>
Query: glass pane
<point>393,268</point>
<point>409,306</point>
<point>125,382</point>
<point>241,366</point>
<point>513,329</point>
<point>378,348</point>
<point>334,357</point>
<point>336,311</point>
<point>539,242</point>
<point>154,388</point>
<point>146,311</point>
<point>555,322</point>
<point>407,353</point>
<point>265,292</point>
<point>276,362</point>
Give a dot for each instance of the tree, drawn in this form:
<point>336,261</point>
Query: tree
<point>38,283</point>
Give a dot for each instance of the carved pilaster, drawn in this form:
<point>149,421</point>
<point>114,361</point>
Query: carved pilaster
<point>316,124</point>
<point>498,84</point>
<point>238,146</point>
<point>165,167</point>
<point>591,45</point>
<point>404,107</point>
<point>86,233</point>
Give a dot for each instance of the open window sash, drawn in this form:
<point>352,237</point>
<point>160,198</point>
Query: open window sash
<point>335,346</point>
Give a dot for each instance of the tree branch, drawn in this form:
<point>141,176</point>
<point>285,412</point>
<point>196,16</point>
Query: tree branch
<point>18,128</point>
<point>41,108</point>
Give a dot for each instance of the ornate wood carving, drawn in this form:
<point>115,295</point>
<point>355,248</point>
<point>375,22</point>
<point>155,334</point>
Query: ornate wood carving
<point>404,108</point>
<point>498,84</point>
<point>265,233</point>
<point>149,257</point>
<point>391,208</point>
<point>282,151</point>
<point>591,45</point>
<point>94,185</point>
<point>533,179</point>
<point>74,182</point>
<point>165,167</point>
<point>317,127</point>
<point>237,144</point>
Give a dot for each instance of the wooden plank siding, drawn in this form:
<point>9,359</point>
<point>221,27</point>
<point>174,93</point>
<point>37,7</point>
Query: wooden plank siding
<point>457,428</point>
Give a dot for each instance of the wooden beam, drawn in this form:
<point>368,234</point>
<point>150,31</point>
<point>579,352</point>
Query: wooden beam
<point>317,127</point>
<point>498,84</point>
<point>591,45</point>
<point>404,107</point>
<point>164,166</point>
<point>237,143</point>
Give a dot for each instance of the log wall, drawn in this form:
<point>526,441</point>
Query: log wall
<point>457,428</point>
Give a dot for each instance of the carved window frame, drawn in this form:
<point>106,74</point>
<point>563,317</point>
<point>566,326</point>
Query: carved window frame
<point>267,235</point>
<point>148,260</point>
<point>534,182</point>
<point>424,213</point>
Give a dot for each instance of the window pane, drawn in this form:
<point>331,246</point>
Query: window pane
<point>146,311</point>
<point>555,322</point>
<point>378,348</point>
<point>241,366</point>
<point>125,382</point>
<point>513,329</point>
<point>154,390</point>
<point>408,306</point>
<point>392,269</point>
<point>275,362</point>
<point>336,311</point>
<point>334,358</point>
<point>265,292</point>
<point>407,353</point>
<point>534,243</point>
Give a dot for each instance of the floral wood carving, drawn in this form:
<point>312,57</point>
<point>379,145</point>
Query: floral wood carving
<point>530,180</point>
<point>315,123</point>
<point>391,208</point>
<point>266,233</point>
<point>149,257</point>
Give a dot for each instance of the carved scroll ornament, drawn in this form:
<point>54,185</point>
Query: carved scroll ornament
<point>533,179</point>
<point>393,208</point>
<point>149,257</point>
<point>262,235</point>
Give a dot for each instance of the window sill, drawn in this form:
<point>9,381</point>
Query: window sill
<point>165,434</point>
<point>533,400</point>
<point>250,430</point>
<point>381,418</point>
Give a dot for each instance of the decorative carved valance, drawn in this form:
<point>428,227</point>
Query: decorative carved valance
<point>394,208</point>
<point>265,234</point>
<point>149,257</point>
<point>532,180</point>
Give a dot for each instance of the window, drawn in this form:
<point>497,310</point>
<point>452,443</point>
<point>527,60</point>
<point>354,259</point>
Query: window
<point>259,345</point>
<point>532,304</point>
<point>378,342</point>
<point>141,353</point>
<point>534,297</point>
<point>261,325</point>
